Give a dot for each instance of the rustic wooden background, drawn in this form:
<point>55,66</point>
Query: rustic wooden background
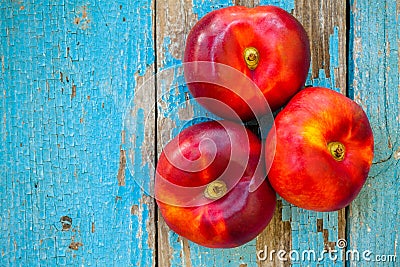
<point>83,118</point>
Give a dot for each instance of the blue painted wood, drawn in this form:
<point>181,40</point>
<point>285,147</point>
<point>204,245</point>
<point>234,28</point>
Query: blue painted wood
<point>67,73</point>
<point>303,223</point>
<point>305,237</point>
<point>374,218</point>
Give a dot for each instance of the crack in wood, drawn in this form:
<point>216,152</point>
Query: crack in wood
<point>73,92</point>
<point>122,168</point>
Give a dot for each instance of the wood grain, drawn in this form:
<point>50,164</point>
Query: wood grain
<point>277,236</point>
<point>173,22</point>
<point>175,111</point>
<point>290,224</point>
<point>374,217</point>
<point>328,68</point>
<point>320,18</point>
<point>80,136</point>
<point>68,71</point>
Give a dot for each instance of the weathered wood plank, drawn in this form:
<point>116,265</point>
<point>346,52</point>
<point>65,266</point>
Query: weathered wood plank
<point>325,23</point>
<point>290,226</point>
<point>68,71</point>
<point>374,218</point>
<point>293,228</point>
<point>171,35</point>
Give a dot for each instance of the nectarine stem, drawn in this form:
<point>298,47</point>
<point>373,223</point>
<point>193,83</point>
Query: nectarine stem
<point>215,190</point>
<point>337,150</point>
<point>251,57</point>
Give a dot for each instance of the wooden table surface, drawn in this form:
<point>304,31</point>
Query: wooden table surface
<point>84,116</point>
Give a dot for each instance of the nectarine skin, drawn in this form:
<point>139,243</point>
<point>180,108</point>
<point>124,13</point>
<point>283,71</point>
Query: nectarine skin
<point>264,43</point>
<point>324,150</point>
<point>238,215</point>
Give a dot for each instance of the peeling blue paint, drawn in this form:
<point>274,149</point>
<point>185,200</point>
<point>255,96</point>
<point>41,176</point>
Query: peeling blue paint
<point>67,72</point>
<point>201,8</point>
<point>176,94</point>
<point>287,5</point>
<point>303,222</point>
<point>374,217</point>
<point>199,256</point>
<point>304,234</point>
